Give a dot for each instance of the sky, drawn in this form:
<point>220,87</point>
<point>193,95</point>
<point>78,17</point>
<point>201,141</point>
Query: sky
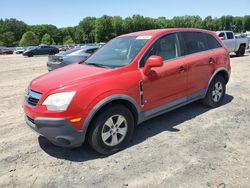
<point>63,13</point>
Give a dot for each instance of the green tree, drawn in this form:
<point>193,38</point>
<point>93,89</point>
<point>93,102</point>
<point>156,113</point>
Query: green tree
<point>104,29</point>
<point>68,40</point>
<point>29,39</point>
<point>41,30</point>
<point>118,25</point>
<point>238,24</point>
<point>92,29</point>
<point>128,25</point>
<point>15,26</point>
<point>226,23</point>
<point>47,39</point>
<point>7,39</point>
<point>246,23</point>
<point>87,27</point>
<point>68,31</point>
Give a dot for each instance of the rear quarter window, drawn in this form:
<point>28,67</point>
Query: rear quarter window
<point>212,41</point>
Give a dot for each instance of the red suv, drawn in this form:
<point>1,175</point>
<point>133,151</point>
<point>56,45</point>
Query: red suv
<point>131,79</point>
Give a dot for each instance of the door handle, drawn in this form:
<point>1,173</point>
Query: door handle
<point>211,60</point>
<point>182,68</point>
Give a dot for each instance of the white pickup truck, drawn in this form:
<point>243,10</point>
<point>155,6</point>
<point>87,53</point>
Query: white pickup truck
<point>233,44</point>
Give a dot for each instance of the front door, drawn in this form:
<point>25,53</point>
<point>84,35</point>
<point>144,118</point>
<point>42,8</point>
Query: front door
<point>166,83</point>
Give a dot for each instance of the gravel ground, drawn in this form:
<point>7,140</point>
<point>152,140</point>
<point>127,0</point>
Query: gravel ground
<point>193,146</point>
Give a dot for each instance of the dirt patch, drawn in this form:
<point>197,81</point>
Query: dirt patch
<point>193,146</point>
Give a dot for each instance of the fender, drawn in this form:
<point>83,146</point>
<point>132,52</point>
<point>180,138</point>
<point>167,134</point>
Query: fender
<point>105,101</point>
<point>214,74</point>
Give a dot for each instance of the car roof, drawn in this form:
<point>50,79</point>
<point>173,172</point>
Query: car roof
<point>156,32</point>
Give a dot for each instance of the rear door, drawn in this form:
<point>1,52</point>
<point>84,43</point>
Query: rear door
<point>199,61</point>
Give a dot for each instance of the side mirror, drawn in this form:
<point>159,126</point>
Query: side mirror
<point>152,61</point>
<point>222,38</point>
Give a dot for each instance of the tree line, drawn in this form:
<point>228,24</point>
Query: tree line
<point>14,32</point>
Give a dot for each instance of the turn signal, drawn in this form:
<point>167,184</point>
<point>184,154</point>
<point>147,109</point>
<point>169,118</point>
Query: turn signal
<point>75,120</point>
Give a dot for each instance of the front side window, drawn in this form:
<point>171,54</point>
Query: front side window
<point>118,52</point>
<point>194,42</point>
<point>222,35</point>
<point>168,47</point>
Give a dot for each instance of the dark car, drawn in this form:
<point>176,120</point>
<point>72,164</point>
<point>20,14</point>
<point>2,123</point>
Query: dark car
<point>6,51</point>
<point>41,50</point>
<point>70,56</point>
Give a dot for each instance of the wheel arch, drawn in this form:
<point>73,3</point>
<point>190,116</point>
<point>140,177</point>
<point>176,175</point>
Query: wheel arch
<point>122,99</point>
<point>221,72</point>
<point>242,44</point>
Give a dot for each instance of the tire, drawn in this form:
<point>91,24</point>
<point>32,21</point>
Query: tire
<point>215,93</point>
<point>241,51</point>
<point>30,55</point>
<point>105,135</point>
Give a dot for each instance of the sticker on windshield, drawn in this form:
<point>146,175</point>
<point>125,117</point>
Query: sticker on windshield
<point>146,37</point>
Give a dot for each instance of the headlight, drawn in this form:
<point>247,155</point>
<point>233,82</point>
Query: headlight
<point>59,101</point>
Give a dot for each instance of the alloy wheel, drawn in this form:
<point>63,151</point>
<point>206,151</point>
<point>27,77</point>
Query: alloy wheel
<point>114,130</point>
<point>217,91</point>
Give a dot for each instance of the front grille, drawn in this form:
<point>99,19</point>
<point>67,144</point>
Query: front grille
<point>31,120</point>
<point>32,97</point>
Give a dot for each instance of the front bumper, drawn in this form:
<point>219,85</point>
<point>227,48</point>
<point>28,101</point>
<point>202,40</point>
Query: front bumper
<point>57,130</point>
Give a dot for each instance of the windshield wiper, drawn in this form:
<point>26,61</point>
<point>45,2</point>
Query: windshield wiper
<point>97,65</point>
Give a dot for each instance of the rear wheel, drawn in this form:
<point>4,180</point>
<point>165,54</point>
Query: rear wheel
<point>111,130</point>
<point>241,51</point>
<point>215,93</point>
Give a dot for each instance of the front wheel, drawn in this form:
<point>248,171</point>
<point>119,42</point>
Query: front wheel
<point>216,92</point>
<point>111,129</point>
<point>30,55</point>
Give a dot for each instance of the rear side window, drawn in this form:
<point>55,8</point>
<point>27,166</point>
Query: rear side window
<point>212,42</point>
<point>230,35</point>
<point>194,42</point>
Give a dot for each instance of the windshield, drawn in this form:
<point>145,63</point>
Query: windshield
<point>118,52</point>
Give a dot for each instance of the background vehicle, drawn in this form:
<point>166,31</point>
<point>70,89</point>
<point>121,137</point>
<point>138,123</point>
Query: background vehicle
<point>6,51</point>
<point>131,79</point>
<point>19,50</point>
<point>248,36</point>
<point>41,50</point>
<point>233,44</point>
<point>69,57</point>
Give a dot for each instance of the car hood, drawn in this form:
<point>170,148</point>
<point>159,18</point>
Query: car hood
<point>68,76</point>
